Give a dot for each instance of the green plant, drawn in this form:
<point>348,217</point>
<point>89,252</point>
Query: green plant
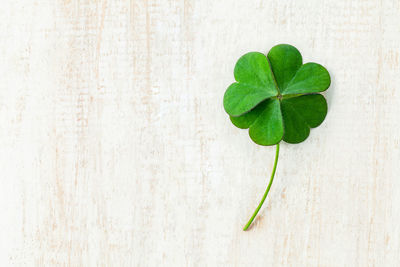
<point>277,98</point>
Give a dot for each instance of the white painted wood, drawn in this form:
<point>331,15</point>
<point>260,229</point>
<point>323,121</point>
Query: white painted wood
<point>115,149</point>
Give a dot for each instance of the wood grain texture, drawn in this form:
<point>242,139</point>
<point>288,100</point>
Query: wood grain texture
<point>115,149</point>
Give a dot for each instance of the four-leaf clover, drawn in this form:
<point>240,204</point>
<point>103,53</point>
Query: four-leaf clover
<point>277,98</point>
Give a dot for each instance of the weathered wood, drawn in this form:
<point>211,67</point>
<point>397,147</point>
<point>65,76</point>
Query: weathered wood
<point>115,149</point>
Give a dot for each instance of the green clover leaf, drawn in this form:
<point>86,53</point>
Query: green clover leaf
<point>277,98</point>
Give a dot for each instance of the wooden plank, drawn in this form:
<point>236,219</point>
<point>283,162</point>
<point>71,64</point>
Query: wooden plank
<point>115,149</point>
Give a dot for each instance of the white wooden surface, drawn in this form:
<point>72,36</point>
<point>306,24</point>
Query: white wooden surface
<point>115,149</point>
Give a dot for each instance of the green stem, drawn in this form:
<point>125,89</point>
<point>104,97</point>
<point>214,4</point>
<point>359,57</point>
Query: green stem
<point>266,191</point>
